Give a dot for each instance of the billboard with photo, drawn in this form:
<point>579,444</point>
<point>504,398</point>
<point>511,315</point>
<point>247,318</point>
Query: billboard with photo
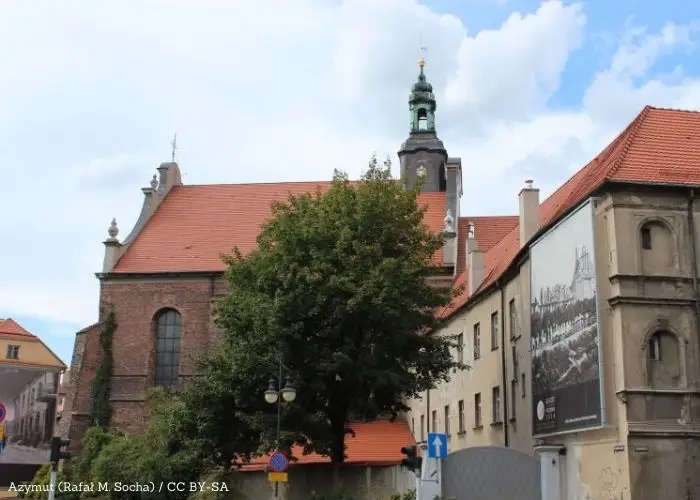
<point>28,398</point>
<point>565,342</point>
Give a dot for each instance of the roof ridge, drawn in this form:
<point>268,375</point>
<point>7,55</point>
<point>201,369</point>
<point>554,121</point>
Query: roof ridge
<point>631,132</point>
<point>675,110</point>
<point>465,217</point>
<point>228,184</point>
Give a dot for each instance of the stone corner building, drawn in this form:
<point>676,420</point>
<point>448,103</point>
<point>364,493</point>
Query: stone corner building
<point>162,279</point>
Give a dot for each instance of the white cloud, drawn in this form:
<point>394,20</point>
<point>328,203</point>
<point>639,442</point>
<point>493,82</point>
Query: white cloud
<point>514,70</point>
<point>92,92</point>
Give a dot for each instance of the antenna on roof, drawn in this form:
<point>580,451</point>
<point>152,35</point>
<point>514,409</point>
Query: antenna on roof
<point>174,145</point>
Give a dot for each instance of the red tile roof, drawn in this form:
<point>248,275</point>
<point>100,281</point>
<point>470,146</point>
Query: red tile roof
<point>661,146</point>
<point>194,225</point>
<point>488,230</point>
<point>11,327</point>
<point>376,443</point>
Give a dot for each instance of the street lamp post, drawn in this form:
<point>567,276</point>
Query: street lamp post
<point>278,393</point>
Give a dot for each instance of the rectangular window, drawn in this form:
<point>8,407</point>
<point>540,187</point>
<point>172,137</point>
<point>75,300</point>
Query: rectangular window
<point>447,419</point>
<point>434,422</point>
<point>522,385</point>
<point>496,404</point>
<point>655,348</point>
<point>460,415</point>
<point>477,409</point>
<point>513,319</point>
<point>413,425</point>
<point>494,331</point>
<point>460,348</point>
<point>422,427</point>
<point>477,341</point>
<point>12,352</point>
<point>646,238</point>
<point>513,398</point>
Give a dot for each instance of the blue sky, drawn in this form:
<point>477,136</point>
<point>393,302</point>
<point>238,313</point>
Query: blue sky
<point>92,93</point>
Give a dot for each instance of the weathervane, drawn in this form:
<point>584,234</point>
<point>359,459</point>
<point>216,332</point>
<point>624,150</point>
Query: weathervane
<point>174,145</point>
<point>424,50</point>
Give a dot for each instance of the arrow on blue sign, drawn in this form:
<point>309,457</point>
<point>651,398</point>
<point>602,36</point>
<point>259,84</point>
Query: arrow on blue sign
<point>437,445</point>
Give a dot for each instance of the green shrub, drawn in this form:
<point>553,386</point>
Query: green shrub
<point>409,495</point>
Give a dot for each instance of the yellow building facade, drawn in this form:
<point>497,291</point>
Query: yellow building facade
<point>19,348</point>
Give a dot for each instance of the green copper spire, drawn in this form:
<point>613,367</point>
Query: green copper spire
<point>421,104</point>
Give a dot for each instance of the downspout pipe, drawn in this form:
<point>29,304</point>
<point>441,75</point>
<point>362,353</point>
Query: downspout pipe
<point>694,259</point>
<point>427,416</point>
<point>504,371</point>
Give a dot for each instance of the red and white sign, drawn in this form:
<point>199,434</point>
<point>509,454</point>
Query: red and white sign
<point>3,413</point>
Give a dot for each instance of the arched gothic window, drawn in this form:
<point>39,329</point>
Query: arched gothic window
<point>168,335</point>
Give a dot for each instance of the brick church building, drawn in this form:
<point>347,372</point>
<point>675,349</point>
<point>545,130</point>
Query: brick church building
<point>162,279</point>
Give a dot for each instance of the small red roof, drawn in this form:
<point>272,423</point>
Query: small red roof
<point>376,443</point>
<point>195,225</point>
<point>11,327</point>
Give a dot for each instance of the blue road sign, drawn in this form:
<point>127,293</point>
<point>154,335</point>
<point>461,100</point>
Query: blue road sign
<point>437,445</point>
<point>3,412</point>
<point>278,462</point>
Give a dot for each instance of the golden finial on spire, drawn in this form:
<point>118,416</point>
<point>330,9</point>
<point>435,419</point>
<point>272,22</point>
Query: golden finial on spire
<point>421,62</point>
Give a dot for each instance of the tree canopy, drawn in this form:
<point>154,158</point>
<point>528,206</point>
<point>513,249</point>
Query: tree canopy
<point>337,292</point>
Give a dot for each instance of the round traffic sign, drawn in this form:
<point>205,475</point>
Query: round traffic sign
<point>3,413</point>
<point>278,462</point>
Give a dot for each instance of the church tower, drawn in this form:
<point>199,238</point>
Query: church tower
<point>423,154</point>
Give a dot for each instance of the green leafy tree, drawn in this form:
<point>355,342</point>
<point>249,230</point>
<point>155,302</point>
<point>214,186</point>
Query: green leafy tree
<point>337,291</point>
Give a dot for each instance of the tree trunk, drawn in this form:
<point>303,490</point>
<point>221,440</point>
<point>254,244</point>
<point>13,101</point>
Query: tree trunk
<point>338,423</point>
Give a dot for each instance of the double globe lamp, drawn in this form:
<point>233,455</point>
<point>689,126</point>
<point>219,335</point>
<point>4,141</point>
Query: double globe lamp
<point>289,393</point>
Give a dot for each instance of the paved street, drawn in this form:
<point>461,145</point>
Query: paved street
<point>14,454</point>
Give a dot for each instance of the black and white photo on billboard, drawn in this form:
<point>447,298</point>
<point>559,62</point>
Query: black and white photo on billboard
<point>565,346</point>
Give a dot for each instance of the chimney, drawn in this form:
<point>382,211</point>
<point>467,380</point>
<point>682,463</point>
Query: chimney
<point>112,248</point>
<point>475,260</point>
<point>529,214</point>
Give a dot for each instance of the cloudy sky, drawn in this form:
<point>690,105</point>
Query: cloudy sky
<point>92,92</point>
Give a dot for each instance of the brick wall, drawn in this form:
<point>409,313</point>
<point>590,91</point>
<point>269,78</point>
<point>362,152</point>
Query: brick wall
<point>76,408</point>
<point>135,303</point>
